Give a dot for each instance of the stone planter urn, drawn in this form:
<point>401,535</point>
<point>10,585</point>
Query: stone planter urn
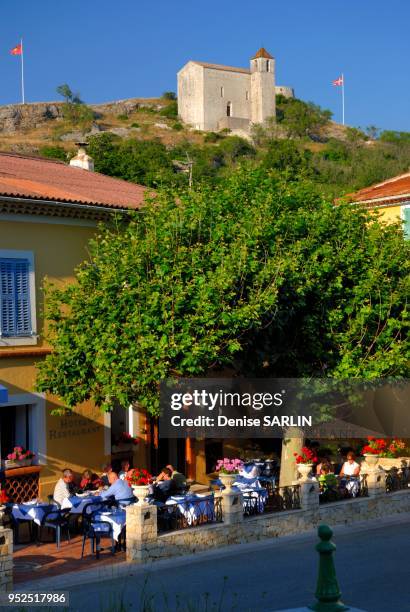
<point>371,460</point>
<point>228,480</point>
<point>304,470</point>
<point>140,492</point>
<point>2,514</point>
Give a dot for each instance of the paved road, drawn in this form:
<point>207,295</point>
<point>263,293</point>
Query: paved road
<point>372,561</point>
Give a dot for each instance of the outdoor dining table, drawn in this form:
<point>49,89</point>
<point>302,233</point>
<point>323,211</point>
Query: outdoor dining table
<point>27,511</point>
<point>192,507</point>
<point>76,503</point>
<point>116,518</point>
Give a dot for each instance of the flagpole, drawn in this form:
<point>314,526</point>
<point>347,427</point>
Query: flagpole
<point>22,71</point>
<point>343,98</point>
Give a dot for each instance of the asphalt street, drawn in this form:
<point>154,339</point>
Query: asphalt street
<point>372,562</point>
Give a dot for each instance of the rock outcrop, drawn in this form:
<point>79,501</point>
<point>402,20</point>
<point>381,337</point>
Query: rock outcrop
<point>16,117</point>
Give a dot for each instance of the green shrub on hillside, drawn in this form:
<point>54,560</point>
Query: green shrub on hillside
<point>169,95</point>
<point>53,152</point>
<point>170,111</point>
<point>398,138</point>
<point>301,119</point>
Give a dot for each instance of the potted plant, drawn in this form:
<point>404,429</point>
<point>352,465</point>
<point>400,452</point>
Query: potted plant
<point>305,461</point>
<point>3,501</point>
<point>379,448</point>
<point>139,479</point>
<point>228,469</point>
<point>124,442</point>
<point>20,457</point>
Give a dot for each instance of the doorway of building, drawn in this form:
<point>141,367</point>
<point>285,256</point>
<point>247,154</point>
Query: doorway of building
<point>14,428</point>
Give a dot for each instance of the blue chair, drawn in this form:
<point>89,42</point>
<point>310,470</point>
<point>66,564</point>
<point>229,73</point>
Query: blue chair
<point>56,519</point>
<point>15,524</point>
<point>94,529</point>
<point>126,502</point>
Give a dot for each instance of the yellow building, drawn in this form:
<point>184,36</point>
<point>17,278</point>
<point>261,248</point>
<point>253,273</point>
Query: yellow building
<point>391,199</point>
<point>48,213</point>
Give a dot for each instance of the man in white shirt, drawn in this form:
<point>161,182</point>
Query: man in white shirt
<point>62,488</point>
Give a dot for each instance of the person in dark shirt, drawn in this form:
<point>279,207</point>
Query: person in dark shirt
<point>164,488</point>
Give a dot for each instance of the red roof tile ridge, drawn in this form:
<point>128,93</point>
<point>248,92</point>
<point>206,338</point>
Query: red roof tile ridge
<point>394,179</point>
<point>31,157</point>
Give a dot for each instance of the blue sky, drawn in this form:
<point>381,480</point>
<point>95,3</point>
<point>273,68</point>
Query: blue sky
<point>109,50</point>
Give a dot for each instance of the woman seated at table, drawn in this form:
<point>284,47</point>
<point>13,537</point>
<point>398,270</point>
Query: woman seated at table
<point>125,468</point>
<point>350,466</point>
<point>89,482</point>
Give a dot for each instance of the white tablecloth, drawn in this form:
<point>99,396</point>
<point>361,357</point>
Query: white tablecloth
<point>29,512</point>
<point>192,507</point>
<point>76,504</point>
<point>115,518</point>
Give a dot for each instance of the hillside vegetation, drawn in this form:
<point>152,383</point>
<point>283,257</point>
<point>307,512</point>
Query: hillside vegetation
<point>143,141</point>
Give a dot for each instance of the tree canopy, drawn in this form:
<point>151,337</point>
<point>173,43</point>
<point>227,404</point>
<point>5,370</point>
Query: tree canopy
<point>259,273</point>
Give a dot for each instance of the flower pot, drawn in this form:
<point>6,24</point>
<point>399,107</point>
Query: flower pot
<point>15,463</point>
<point>228,480</point>
<point>304,470</point>
<point>122,447</point>
<point>140,492</point>
<point>371,460</point>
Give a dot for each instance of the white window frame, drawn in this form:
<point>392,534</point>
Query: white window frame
<point>37,424</point>
<point>403,218</point>
<point>28,340</point>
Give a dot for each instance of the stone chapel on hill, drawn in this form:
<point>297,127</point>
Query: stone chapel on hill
<point>213,97</point>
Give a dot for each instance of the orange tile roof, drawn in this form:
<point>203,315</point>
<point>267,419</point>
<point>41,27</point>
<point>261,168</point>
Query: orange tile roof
<point>394,188</point>
<point>262,53</point>
<point>43,179</point>
<point>222,67</point>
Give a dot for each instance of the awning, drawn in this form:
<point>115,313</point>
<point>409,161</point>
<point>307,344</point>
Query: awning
<point>4,395</point>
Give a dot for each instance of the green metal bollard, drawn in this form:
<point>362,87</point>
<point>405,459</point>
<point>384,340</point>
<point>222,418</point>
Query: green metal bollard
<point>327,589</point>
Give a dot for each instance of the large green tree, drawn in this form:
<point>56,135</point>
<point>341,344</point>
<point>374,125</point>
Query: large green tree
<point>258,273</point>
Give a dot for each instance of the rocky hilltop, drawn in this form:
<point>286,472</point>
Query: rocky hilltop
<point>16,117</point>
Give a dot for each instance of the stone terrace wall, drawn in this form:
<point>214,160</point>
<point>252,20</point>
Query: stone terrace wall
<point>6,559</point>
<point>152,547</point>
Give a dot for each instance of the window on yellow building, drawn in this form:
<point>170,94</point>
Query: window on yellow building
<point>406,221</point>
<point>17,300</point>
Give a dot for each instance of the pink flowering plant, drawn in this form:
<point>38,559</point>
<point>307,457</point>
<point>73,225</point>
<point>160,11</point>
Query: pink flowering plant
<point>19,453</point>
<point>229,466</point>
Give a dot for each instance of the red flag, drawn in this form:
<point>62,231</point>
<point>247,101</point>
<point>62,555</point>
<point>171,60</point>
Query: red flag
<point>17,50</point>
<point>338,82</point>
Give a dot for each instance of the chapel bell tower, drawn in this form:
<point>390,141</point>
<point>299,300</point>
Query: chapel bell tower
<point>263,103</point>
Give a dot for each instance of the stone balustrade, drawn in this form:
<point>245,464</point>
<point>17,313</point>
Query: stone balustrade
<point>145,544</point>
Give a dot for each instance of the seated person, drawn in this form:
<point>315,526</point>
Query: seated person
<point>64,487</point>
<point>89,482</point>
<point>327,479</point>
<point>164,486</point>
<point>177,477</point>
<point>104,476</point>
<point>125,468</point>
<point>350,466</point>
<point>119,489</point>
<point>349,475</point>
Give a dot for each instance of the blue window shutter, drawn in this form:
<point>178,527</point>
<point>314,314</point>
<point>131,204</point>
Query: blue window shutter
<point>406,222</point>
<point>15,297</point>
<point>23,318</point>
